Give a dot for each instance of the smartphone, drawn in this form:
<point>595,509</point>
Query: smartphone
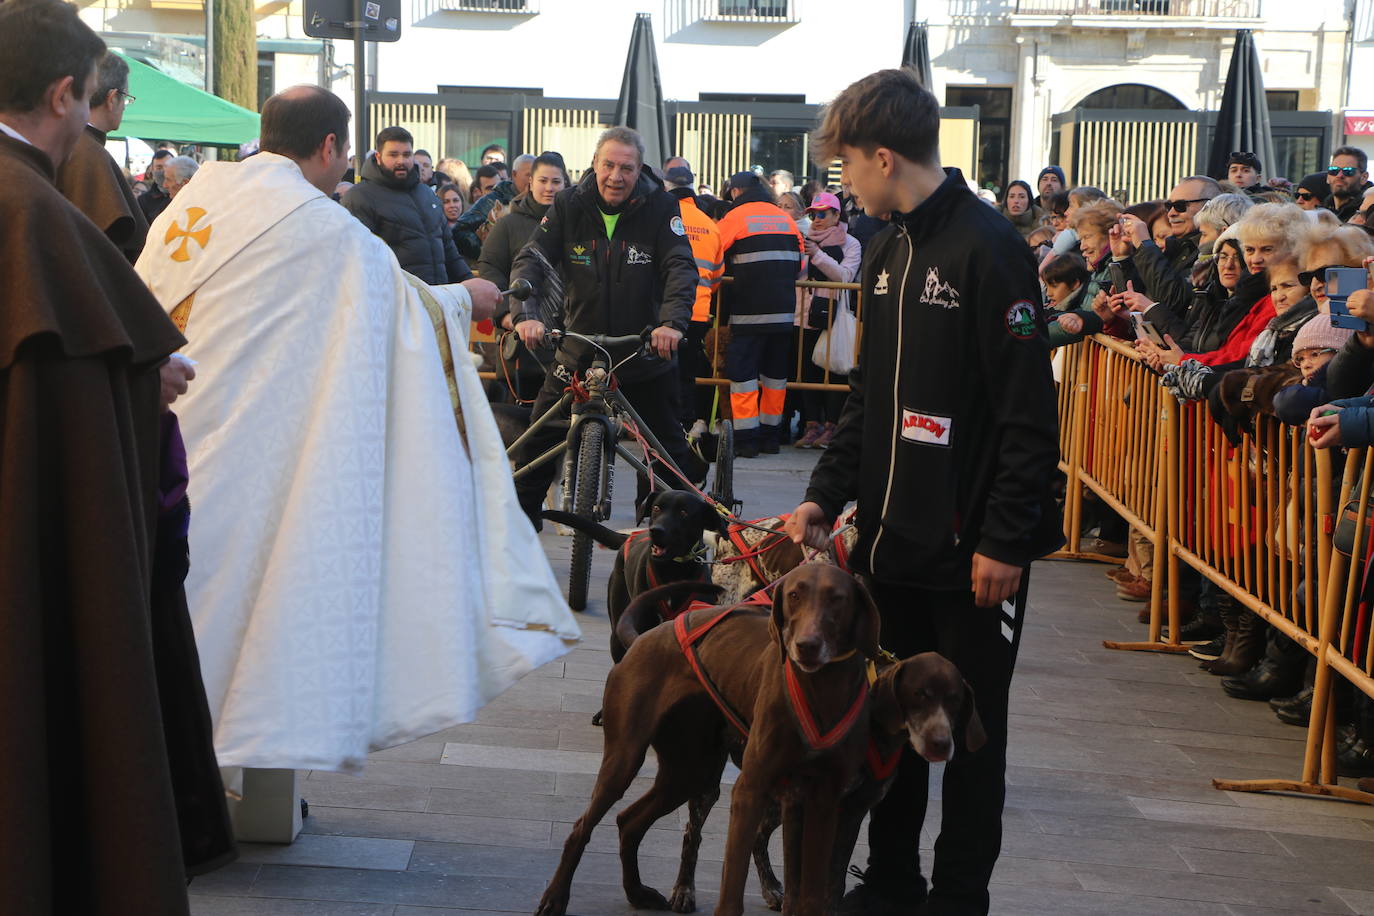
<point>1146,330</point>
<point>1340,283</point>
<point>1118,277</point>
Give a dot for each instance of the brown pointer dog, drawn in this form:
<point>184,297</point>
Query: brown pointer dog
<point>922,701</point>
<point>820,616</point>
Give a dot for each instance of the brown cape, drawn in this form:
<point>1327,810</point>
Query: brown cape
<point>88,818</point>
<point>92,181</point>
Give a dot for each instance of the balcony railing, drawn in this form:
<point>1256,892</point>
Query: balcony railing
<point>516,7</point>
<point>763,11</point>
<point>1192,9</point>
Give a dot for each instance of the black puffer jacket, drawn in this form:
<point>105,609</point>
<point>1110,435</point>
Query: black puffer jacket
<point>407,216</point>
<point>643,275</point>
<point>508,235</point>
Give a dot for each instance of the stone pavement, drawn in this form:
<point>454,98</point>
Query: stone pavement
<point>1110,807</point>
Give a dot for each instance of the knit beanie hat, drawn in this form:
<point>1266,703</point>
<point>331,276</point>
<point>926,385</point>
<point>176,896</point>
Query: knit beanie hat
<point>1315,184</point>
<point>1051,169</point>
<point>1317,333</point>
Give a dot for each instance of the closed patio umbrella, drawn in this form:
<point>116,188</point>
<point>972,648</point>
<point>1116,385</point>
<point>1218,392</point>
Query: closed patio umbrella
<point>916,53</point>
<point>1243,121</point>
<point>641,93</point>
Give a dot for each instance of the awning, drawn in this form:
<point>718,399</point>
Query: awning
<point>168,109</point>
<point>1359,123</point>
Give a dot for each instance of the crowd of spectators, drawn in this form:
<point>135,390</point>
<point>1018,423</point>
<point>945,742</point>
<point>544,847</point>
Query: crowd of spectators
<point>1221,291</point>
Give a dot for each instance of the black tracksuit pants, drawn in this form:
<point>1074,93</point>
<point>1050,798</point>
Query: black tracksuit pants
<point>654,399</point>
<point>920,620</point>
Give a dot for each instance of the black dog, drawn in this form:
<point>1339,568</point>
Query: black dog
<point>670,551</point>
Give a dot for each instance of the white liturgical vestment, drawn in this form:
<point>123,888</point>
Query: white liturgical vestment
<point>361,573</point>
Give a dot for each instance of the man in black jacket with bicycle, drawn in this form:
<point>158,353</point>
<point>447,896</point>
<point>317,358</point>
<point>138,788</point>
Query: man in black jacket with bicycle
<point>619,241</point>
<point>949,443</point>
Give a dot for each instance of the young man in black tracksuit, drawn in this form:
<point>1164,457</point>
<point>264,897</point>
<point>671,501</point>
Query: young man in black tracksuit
<point>622,248</point>
<point>949,443</point>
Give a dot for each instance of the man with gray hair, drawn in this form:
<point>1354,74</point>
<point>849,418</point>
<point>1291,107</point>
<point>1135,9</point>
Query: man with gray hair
<point>178,171</point>
<point>520,171</point>
<point>622,246</point>
<point>91,179</point>
<point>1165,274</point>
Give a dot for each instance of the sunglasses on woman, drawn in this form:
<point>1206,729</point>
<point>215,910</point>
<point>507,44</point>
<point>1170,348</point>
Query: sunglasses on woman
<point>1307,276</point>
<point>1304,195</point>
<point>1349,171</point>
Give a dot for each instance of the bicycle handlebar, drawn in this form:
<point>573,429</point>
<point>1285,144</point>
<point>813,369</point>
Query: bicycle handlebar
<point>598,340</point>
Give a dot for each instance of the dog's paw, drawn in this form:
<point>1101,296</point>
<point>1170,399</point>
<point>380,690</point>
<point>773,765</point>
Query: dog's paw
<point>683,899</point>
<point>645,898</point>
<point>596,719</point>
<point>552,904</point>
<point>772,896</point>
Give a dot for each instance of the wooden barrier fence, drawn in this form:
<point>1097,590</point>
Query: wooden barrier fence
<point>1255,519</point>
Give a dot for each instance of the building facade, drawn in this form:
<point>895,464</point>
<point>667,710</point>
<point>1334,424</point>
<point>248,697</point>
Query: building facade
<point>1034,75</point>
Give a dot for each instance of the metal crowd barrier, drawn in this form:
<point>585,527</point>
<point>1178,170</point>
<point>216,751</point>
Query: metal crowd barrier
<point>1256,519</point>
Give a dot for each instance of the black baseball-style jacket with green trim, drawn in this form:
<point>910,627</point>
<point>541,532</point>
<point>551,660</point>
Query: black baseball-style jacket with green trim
<point>949,439</point>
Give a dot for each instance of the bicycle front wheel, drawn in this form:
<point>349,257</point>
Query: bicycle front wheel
<point>586,484</point>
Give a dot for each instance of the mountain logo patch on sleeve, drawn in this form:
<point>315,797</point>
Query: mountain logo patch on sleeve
<point>1021,320</point>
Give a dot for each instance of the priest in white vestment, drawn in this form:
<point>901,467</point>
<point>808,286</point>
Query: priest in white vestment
<point>361,572</point>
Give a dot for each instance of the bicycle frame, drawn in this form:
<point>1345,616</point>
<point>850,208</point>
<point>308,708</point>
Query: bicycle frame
<point>603,405</point>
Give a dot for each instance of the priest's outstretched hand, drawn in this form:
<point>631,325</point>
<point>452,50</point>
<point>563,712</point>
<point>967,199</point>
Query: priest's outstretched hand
<point>485,297</point>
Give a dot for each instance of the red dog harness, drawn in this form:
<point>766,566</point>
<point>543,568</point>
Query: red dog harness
<point>687,640</point>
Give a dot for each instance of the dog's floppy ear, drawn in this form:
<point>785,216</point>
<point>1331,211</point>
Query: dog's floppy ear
<point>713,520</point>
<point>867,622</point>
<point>885,708</point>
<point>777,620</point>
<point>970,726</point>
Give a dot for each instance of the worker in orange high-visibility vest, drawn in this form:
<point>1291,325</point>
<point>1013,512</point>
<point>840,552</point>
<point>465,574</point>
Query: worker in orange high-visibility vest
<point>694,405</point>
<point>763,255</point>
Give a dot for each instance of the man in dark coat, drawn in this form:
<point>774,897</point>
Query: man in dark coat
<point>154,200</point>
<point>620,242</point>
<point>91,180</point>
<point>948,443</point>
<point>398,209</point>
<point>96,679</point>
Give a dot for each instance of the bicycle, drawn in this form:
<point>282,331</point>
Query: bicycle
<point>599,414</point>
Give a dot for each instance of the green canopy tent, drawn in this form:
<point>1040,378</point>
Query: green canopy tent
<point>168,109</point>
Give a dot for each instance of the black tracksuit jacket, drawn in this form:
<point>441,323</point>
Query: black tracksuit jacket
<point>644,275</point>
<point>949,438</point>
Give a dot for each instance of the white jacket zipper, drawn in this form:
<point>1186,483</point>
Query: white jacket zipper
<point>896,405</point>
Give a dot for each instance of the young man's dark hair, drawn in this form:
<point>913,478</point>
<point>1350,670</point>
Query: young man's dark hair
<point>425,153</point>
<point>393,135</point>
<point>1243,158</point>
<point>889,108</point>
<point>295,124</point>
<point>1058,203</point>
<point>1068,268</point>
<point>493,148</point>
<point>112,75</point>
<point>1360,155</point>
<point>41,42</point>
<point>486,171</point>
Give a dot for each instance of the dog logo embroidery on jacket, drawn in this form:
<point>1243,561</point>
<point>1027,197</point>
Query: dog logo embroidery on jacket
<point>635,256</point>
<point>1021,320</point>
<point>880,288</point>
<point>925,428</point>
<point>938,292</point>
